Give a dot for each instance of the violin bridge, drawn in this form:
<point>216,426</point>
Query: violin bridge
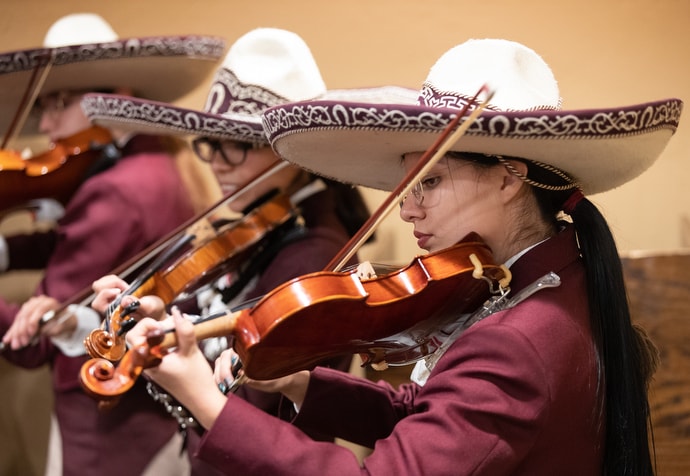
<point>202,230</point>
<point>365,271</point>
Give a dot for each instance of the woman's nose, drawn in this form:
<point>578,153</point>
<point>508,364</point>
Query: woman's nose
<point>409,210</point>
<point>46,123</point>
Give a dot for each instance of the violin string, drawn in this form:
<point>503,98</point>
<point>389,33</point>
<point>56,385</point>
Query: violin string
<point>143,277</point>
<point>243,305</point>
<point>85,297</point>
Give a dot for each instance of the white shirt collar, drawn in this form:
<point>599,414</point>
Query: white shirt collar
<point>312,188</point>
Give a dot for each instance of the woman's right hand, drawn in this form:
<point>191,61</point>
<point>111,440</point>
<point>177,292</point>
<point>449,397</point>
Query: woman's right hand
<point>108,288</point>
<point>27,322</point>
<point>183,371</point>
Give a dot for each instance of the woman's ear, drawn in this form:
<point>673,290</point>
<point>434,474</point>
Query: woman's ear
<point>512,183</point>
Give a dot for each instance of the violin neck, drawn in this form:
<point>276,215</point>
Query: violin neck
<point>215,326</point>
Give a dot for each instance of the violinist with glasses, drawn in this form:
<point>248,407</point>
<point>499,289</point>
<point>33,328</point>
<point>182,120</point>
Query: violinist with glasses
<point>112,214</point>
<point>553,379</point>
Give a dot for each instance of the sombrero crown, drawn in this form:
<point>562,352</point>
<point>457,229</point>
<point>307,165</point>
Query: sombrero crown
<point>263,68</point>
<point>82,52</point>
<point>599,148</point>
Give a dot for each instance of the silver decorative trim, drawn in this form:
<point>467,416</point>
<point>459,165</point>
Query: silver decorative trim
<point>534,125</point>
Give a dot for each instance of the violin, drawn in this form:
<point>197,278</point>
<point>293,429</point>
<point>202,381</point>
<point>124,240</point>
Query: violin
<point>225,248</point>
<point>56,173</point>
<point>153,258</point>
<point>387,320</point>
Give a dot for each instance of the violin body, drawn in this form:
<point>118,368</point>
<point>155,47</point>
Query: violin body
<point>225,250</point>
<point>56,173</point>
<point>388,319</point>
<point>212,257</point>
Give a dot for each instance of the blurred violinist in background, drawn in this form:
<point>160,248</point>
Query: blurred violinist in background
<point>263,68</point>
<point>550,378</point>
<point>113,212</point>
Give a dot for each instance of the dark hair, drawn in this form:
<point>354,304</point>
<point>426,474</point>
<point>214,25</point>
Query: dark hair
<point>351,208</point>
<point>625,358</point>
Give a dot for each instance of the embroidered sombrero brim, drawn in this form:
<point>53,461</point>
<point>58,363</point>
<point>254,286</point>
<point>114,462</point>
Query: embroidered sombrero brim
<point>362,144</point>
<point>158,68</point>
<point>155,117</point>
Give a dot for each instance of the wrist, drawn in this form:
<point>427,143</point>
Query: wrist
<point>210,408</point>
<point>296,389</point>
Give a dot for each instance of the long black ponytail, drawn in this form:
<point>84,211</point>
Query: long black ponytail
<point>626,358</point>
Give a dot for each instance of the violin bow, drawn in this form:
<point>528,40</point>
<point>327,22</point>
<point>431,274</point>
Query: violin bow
<point>437,150</point>
<point>185,234</point>
<point>136,358</point>
<point>86,295</point>
<point>432,155</point>
<point>36,81</point>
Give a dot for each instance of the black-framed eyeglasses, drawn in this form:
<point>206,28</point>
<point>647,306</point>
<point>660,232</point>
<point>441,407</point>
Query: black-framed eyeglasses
<point>232,152</point>
<point>54,104</point>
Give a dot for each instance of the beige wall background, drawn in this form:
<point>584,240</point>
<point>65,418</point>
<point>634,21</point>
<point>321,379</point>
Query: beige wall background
<point>604,53</point>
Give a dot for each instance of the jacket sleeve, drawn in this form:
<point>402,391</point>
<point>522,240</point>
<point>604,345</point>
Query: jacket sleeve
<point>100,230</point>
<point>477,414</point>
<point>92,236</point>
<point>30,251</point>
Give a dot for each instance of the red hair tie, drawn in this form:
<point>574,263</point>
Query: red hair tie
<point>572,201</point>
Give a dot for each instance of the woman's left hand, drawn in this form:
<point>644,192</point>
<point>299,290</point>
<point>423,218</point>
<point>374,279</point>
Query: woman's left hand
<point>184,372</point>
<point>293,386</point>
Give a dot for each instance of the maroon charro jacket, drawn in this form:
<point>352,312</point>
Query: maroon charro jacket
<point>515,394</point>
<point>114,215</point>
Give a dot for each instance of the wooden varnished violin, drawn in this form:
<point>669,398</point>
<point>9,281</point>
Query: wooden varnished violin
<point>216,252</point>
<point>159,255</point>
<point>385,319</point>
<point>56,173</point>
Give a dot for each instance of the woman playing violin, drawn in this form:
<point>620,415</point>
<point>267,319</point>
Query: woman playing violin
<point>555,382</point>
<point>264,67</point>
<point>114,214</point>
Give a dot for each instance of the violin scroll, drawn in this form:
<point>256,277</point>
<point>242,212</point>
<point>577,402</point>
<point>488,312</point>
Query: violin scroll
<point>104,345</point>
<point>101,379</point>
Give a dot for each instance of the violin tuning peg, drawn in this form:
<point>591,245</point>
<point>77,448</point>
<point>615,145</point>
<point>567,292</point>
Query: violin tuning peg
<point>130,308</point>
<point>126,326</point>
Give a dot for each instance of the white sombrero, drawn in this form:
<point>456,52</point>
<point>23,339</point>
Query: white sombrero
<point>363,142</point>
<point>263,68</point>
<point>82,52</point>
